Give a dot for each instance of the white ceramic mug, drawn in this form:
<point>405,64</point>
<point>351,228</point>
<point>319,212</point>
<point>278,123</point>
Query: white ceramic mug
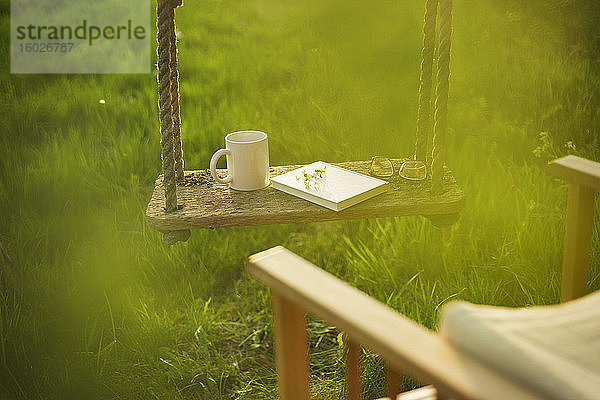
<point>247,160</point>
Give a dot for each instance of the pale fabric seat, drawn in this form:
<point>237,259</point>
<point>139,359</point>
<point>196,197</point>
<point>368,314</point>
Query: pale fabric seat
<point>553,349</point>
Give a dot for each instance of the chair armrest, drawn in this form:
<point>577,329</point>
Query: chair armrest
<point>577,170</point>
<point>407,346</point>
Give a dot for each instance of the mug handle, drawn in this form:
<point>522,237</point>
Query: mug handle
<point>213,166</point>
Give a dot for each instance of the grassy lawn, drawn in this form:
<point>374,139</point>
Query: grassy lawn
<point>93,306</point>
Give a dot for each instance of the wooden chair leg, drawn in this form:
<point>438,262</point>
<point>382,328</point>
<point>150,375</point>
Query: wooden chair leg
<point>291,349</point>
<point>580,212</point>
<point>393,382</point>
<point>353,370</point>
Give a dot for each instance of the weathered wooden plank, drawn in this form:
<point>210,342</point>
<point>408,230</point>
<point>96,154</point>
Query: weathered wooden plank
<point>205,203</point>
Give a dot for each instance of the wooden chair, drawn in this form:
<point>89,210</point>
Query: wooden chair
<point>299,287</point>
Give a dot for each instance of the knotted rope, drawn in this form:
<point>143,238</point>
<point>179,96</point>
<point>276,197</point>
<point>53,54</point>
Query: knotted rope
<point>165,17</point>
<point>168,104</point>
<point>441,95</point>
<point>168,101</point>
<point>177,147</point>
<point>424,111</point>
<point>171,237</point>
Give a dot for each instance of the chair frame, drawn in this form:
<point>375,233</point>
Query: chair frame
<point>299,287</point>
<point>583,177</point>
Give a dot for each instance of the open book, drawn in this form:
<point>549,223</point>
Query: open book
<point>329,185</point>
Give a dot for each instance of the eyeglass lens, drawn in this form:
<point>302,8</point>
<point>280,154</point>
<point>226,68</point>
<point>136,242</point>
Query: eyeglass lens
<point>381,166</point>
<point>413,170</point>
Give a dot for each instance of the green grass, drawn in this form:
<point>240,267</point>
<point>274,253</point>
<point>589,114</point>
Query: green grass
<point>93,306</point>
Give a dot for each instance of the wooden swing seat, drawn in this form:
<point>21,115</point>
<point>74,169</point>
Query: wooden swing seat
<point>185,200</point>
<point>204,203</point>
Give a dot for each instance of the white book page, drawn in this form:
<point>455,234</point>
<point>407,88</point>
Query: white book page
<point>335,184</point>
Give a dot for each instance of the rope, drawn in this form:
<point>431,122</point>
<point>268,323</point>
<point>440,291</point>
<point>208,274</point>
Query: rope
<point>168,105</point>
<point>441,95</point>
<point>177,146</point>
<point>423,115</point>
<point>165,16</point>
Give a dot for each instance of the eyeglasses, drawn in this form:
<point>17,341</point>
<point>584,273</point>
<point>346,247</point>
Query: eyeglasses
<point>383,167</point>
